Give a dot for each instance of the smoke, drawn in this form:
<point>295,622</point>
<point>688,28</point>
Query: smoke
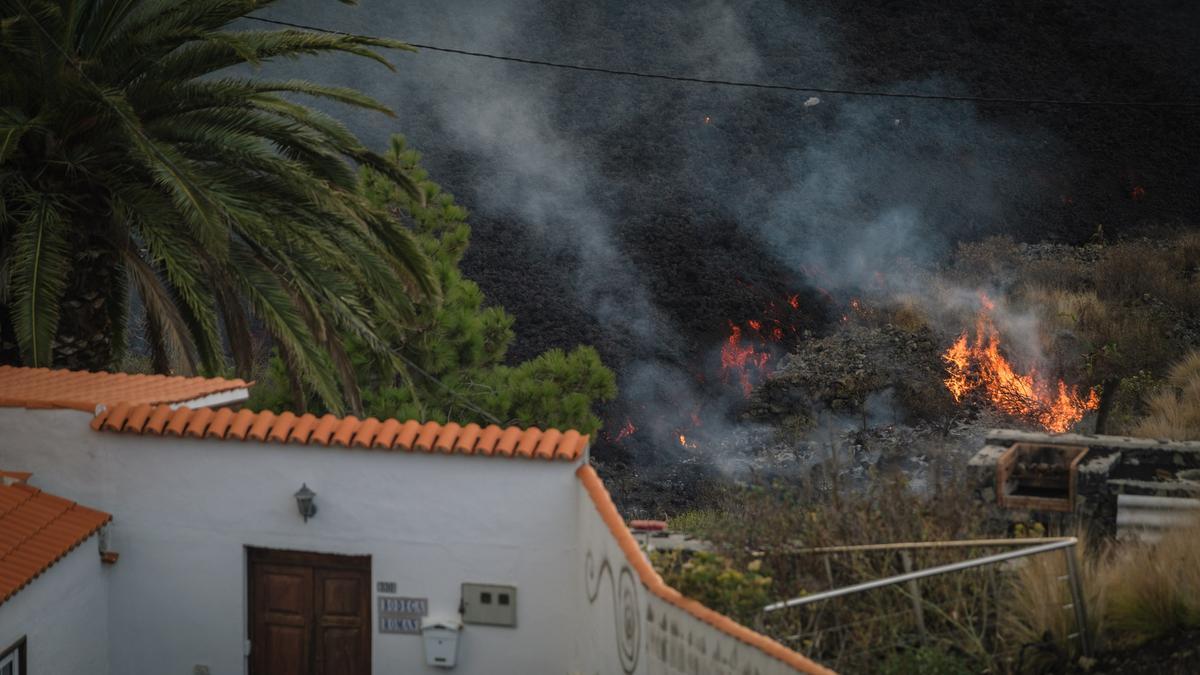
<point>836,191</point>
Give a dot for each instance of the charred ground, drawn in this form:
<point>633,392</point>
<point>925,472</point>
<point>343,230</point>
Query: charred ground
<point>708,203</point>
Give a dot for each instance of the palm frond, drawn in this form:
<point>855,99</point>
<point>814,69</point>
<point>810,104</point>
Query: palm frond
<point>173,335</point>
<point>40,265</point>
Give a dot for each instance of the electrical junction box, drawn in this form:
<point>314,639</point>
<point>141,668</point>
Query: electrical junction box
<point>489,604</point>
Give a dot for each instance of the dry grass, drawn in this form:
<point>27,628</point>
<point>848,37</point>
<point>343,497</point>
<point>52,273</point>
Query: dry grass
<point>1133,593</point>
<point>1064,275</point>
<point>1153,590</point>
<point>1036,608</point>
<point>1090,338</point>
<point>1174,410</point>
<point>1139,272</point>
<point>859,633</point>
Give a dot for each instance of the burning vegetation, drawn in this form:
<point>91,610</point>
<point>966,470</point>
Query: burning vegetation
<point>743,363</point>
<point>979,367</point>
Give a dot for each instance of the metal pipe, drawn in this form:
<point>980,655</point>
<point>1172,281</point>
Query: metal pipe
<point>1153,502</point>
<point>1073,581</point>
<point>915,591</point>
<point>956,543</point>
<point>1064,542</point>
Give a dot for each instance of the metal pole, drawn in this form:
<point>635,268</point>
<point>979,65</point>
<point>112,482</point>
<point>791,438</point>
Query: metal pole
<point>954,543</point>
<point>921,574</point>
<point>1081,625</point>
<point>915,592</point>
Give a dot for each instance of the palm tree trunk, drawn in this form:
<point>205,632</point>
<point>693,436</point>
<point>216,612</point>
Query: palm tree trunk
<point>90,328</point>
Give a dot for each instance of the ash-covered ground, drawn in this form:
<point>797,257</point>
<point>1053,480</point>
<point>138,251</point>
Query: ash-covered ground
<point>646,217</point>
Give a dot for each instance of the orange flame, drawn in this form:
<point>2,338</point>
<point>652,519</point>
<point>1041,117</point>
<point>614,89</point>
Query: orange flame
<point>738,359</point>
<point>683,440</point>
<point>981,367</point>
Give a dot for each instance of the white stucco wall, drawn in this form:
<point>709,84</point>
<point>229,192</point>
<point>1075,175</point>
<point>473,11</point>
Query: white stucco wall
<point>63,616</point>
<point>184,510</point>
<point>624,628</point>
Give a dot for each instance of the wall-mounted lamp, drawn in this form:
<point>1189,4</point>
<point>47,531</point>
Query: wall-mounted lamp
<point>305,503</point>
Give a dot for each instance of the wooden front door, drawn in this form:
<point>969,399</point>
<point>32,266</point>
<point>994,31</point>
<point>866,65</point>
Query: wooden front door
<point>310,613</point>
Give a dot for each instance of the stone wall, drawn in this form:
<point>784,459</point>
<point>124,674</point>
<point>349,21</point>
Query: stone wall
<point>1113,465</point>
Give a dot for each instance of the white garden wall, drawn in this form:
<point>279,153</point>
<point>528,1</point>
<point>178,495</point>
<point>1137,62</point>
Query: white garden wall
<point>627,627</point>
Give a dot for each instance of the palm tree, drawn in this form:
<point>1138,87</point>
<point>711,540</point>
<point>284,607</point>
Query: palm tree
<point>135,164</point>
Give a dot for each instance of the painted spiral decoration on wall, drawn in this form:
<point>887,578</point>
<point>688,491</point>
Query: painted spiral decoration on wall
<point>625,607</point>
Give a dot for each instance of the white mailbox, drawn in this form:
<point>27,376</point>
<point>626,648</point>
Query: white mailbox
<point>441,641</point>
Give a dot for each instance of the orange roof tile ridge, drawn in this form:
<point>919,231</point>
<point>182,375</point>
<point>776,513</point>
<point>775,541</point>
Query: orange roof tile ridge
<point>348,432</point>
<point>654,583</point>
<point>85,390</point>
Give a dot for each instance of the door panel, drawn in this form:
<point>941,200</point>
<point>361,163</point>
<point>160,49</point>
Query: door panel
<point>282,618</point>
<point>310,614</point>
<point>343,622</point>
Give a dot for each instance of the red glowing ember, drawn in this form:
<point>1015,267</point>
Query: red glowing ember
<point>980,367</point>
<point>626,431</point>
<point>740,360</point>
<point>1138,193</point>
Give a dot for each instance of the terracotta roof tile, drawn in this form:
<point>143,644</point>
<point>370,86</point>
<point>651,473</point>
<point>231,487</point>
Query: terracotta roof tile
<point>119,414</point>
<point>528,442</point>
<point>179,421</point>
<point>548,443</point>
<point>343,433</point>
<point>465,443</point>
<point>348,432</point>
<point>508,442</point>
<point>654,583</point>
<point>240,425</point>
<point>570,442</point>
<point>158,420</point>
<point>324,430</point>
<point>36,530</point>
<point>303,429</point>
<point>198,422</point>
<point>80,390</point>
<point>138,416</point>
<point>447,436</point>
<point>387,433</point>
<point>366,433</point>
<point>428,435</point>
<point>408,434</point>
<point>488,439</point>
<point>262,426</point>
<point>283,427</point>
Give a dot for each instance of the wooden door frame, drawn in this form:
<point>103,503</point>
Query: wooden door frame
<point>257,555</point>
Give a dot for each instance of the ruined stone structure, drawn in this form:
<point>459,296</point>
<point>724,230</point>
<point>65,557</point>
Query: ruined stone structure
<point>1104,484</point>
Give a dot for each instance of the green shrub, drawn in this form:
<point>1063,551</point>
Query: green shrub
<point>697,522</point>
<point>926,661</point>
<point>716,581</point>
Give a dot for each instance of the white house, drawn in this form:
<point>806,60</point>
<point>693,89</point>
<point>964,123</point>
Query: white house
<point>244,542</point>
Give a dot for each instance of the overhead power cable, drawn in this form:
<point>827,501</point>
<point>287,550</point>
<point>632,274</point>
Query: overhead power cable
<point>601,70</point>
<point>466,402</point>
